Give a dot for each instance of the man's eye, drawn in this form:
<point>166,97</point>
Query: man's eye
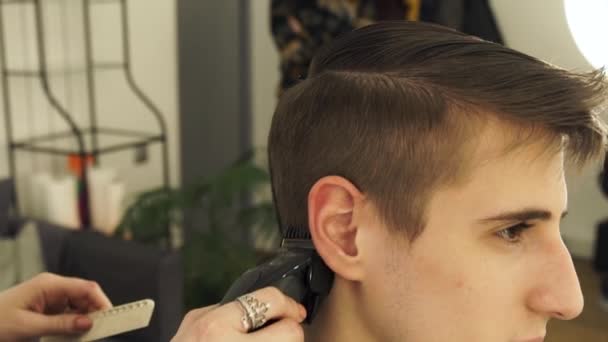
<point>514,234</point>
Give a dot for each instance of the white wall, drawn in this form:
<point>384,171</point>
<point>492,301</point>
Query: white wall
<point>538,28</point>
<point>265,70</point>
<point>153,46</point>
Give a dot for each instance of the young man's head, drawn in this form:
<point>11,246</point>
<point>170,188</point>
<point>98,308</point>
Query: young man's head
<point>428,166</point>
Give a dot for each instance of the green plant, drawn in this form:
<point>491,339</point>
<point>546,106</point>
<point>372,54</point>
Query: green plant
<point>216,254</point>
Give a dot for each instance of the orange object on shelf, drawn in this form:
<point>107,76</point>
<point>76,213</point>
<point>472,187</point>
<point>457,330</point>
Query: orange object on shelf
<point>75,163</point>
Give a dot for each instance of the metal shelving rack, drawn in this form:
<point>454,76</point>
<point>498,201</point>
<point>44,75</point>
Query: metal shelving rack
<point>44,143</point>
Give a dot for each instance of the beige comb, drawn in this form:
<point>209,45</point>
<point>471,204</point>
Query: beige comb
<point>114,321</point>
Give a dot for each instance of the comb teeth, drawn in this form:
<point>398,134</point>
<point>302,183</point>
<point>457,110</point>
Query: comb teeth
<point>296,233</point>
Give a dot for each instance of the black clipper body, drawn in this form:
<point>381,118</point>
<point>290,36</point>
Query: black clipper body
<point>298,271</point>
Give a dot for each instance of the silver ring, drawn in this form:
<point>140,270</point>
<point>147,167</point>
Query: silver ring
<point>254,312</point>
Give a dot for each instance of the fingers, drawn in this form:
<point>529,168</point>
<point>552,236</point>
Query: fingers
<point>64,324</point>
<point>285,330</point>
<point>59,292</point>
<point>280,306</point>
<point>223,323</point>
<point>194,316</point>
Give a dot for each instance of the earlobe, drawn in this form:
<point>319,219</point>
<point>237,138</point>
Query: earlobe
<point>332,203</point>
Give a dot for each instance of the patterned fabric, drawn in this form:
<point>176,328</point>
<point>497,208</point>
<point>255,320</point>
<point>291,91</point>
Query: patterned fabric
<point>301,27</point>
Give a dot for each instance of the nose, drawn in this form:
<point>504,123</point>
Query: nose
<point>557,293</point>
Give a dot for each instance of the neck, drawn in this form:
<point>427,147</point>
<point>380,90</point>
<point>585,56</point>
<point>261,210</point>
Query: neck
<point>338,318</point>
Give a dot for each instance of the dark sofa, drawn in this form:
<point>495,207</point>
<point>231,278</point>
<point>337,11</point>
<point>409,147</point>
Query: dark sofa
<point>127,271</point>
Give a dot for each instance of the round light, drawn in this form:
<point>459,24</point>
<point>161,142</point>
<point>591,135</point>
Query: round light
<point>588,22</point>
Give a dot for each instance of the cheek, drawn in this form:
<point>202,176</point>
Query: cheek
<point>459,287</point>
<point>442,275</point>
<point>427,292</point>
<point>464,288</point>
<point>443,287</point>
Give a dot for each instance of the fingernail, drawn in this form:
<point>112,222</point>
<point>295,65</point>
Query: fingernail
<point>83,323</point>
<point>302,312</point>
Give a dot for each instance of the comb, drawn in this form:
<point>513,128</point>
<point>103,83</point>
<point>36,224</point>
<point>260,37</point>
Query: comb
<point>113,321</point>
<point>296,237</point>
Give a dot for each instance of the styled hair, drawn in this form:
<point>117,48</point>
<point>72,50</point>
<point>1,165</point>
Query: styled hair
<point>396,109</point>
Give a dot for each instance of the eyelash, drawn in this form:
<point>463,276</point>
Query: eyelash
<point>517,229</point>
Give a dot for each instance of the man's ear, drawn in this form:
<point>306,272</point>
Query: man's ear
<point>332,202</point>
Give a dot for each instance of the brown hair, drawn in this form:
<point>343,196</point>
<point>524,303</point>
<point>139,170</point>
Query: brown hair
<point>390,107</point>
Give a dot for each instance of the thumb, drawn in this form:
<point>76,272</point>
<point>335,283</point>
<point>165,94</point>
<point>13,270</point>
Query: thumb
<point>62,324</point>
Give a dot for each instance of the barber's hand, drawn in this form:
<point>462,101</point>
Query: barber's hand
<point>49,304</point>
<point>223,323</point>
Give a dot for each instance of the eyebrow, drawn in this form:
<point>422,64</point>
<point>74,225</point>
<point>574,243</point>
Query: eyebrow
<point>526,214</point>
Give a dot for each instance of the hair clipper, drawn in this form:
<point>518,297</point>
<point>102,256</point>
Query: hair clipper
<point>298,271</point>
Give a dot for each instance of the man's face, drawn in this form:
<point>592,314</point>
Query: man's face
<point>477,273</point>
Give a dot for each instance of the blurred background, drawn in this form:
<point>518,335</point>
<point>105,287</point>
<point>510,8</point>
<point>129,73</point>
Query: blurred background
<point>134,135</point>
